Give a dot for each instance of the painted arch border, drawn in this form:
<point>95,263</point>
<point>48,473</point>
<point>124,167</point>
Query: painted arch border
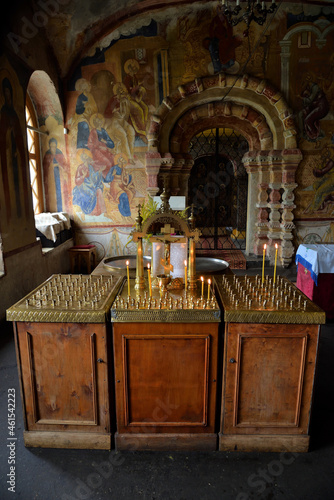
<point>246,92</point>
<point>271,162</point>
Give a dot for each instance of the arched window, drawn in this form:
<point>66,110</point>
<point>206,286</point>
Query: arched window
<point>34,158</point>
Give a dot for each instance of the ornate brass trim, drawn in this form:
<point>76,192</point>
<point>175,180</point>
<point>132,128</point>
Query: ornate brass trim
<point>171,306</point>
<point>165,316</point>
<point>46,304</point>
<point>246,300</point>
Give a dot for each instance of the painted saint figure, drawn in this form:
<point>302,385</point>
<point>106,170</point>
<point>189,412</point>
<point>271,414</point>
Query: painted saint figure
<point>118,113</point>
<point>100,144</point>
<point>315,107</point>
<point>12,154</point>
<point>324,185</point>
<point>221,43</point>
<point>122,189</point>
<point>137,92</point>
<point>88,190</point>
<point>84,109</point>
<point>56,178</point>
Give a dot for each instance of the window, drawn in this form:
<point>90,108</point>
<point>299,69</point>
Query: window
<point>34,158</point>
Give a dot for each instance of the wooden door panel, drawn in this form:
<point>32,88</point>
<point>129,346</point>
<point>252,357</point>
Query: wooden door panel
<point>269,384</point>
<point>166,377</point>
<point>59,373</point>
<point>166,370</point>
<point>269,371</point>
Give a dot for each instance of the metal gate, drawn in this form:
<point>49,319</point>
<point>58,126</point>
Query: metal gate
<point>217,188</point>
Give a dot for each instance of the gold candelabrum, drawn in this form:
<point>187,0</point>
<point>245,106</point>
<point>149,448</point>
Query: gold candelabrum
<point>166,227</point>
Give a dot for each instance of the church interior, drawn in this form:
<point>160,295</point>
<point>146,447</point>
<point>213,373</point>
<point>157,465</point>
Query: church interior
<point>215,118</point>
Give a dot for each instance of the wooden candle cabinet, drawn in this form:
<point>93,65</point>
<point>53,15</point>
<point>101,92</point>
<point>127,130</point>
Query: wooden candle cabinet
<point>270,352</point>
<point>165,357</point>
<point>62,336</point>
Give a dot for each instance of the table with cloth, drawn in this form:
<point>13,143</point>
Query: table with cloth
<point>315,274</point>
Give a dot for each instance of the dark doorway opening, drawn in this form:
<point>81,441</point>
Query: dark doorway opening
<point>217,188</point>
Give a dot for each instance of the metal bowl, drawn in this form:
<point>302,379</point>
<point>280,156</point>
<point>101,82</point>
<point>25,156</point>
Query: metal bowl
<point>204,265</point>
<point>210,265</point>
<point>117,264</point>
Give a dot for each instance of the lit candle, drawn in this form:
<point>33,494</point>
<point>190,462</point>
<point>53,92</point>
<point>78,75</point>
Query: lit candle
<point>209,287</point>
<point>276,246</point>
<point>264,256</point>
<point>185,275</point>
<point>149,279</point>
<point>128,276</point>
<point>202,280</point>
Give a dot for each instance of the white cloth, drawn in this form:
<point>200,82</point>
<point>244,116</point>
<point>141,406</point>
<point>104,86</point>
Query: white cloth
<point>316,258</point>
<point>48,225</point>
<point>64,218</point>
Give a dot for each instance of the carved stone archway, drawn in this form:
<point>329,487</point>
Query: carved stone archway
<point>259,112</point>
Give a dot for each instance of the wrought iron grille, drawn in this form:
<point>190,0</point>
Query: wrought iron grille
<point>218,189</point>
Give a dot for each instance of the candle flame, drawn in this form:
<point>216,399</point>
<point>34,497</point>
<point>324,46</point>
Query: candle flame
<point>209,281</point>
<point>276,246</point>
<point>185,263</point>
<point>127,262</point>
<point>148,266</point>
<point>264,246</point>
<point>202,279</point>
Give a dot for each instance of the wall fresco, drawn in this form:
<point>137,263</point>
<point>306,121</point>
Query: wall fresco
<point>118,86</point>
<point>55,163</point>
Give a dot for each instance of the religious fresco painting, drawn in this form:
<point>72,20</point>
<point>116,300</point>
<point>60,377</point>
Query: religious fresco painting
<point>56,178</point>
<point>312,96</point>
<point>55,164</point>
<point>109,138</point>
<point>98,172</point>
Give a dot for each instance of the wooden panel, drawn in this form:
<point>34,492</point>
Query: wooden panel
<point>268,378</point>
<point>298,444</point>
<point>61,379</point>
<point>163,442</point>
<point>166,377</point>
<point>74,440</point>
<point>170,370</point>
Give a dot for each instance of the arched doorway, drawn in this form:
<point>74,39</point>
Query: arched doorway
<point>258,112</point>
<point>217,188</point>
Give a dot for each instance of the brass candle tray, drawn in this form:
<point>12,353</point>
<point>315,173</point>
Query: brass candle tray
<point>246,299</point>
<point>172,306</point>
<point>68,298</point>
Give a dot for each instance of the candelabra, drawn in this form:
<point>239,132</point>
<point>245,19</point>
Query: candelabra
<point>254,11</point>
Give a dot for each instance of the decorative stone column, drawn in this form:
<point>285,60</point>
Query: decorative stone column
<point>153,163</point>
<point>274,226</point>
<point>252,198</point>
<point>184,175</point>
<point>262,223</point>
<point>165,174</point>
<point>291,159</point>
<point>174,184</point>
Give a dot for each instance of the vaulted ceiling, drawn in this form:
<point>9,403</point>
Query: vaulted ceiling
<point>72,27</point>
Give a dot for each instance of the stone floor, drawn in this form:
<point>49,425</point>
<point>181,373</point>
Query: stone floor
<point>47,474</point>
